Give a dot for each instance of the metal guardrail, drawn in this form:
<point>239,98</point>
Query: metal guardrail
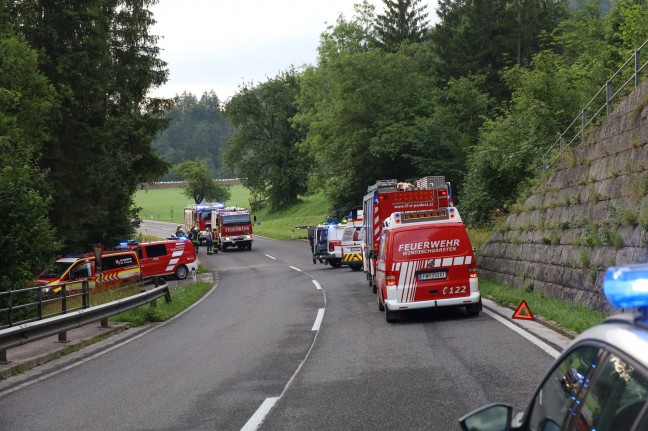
<point>60,324</point>
<point>606,94</point>
<point>42,302</point>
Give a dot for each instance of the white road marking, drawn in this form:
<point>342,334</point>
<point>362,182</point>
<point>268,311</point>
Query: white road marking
<point>273,258</point>
<point>296,269</point>
<point>318,320</point>
<point>258,416</point>
<point>535,340</point>
<point>317,285</point>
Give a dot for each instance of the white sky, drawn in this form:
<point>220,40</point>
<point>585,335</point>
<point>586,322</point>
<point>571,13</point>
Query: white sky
<point>221,44</point>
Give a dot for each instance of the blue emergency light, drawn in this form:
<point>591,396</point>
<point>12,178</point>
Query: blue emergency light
<point>627,286</point>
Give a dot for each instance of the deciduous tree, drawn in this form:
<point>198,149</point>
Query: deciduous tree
<point>263,150</point>
<point>199,185</point>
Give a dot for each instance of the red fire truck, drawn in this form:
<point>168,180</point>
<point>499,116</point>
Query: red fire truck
<point>232,228</point>
<point>201,216</point>
<point>389,196</point>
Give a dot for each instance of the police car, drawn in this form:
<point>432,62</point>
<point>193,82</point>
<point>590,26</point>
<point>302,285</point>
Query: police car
<point>600,382</point>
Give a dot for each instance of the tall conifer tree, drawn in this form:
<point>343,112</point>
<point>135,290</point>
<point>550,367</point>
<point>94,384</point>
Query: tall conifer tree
<point>402,21</point>
<point>102,61</point>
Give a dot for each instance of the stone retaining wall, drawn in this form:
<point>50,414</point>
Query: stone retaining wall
<point>589,213</point>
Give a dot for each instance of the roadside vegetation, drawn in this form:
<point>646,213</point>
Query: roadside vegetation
<point>181,298</point>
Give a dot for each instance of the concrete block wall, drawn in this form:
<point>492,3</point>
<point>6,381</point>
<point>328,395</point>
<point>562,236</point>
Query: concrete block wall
<point>590,212</point>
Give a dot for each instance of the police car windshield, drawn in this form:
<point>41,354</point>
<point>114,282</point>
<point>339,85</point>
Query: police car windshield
<point>233,219</point>
<point>55,270</point>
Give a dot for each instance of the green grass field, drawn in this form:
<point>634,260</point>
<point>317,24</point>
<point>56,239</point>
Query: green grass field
<point>169,204</point>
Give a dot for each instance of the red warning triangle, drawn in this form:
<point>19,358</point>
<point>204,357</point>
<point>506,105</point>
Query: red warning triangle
<point>523,312</point>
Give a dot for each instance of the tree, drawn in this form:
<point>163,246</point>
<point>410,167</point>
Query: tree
<point>483,37</point>
<point>27,105</point>
<point>198,184</point>
<point>263,150</point>
<point>402,21</point>
<point>101,60</point>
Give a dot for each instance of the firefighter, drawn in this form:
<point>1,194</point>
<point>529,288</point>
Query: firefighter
<point>209,236</point>
<point>193,236</point>
<point>179,232</point>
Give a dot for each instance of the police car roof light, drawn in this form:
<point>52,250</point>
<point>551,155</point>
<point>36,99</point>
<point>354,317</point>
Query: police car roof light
<point>627,286</point>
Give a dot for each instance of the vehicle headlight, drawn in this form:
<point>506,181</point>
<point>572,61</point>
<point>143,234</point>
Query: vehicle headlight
<point>248,236</point>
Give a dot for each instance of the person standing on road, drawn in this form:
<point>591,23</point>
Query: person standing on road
<point>179,232</point>
<point>209,236</point>
<point>193,236</point>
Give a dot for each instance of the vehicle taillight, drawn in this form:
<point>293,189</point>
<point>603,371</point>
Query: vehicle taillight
<point>390,279</point>
<point>355,235</point>
<point>332,245</point>
<point>472,272</point>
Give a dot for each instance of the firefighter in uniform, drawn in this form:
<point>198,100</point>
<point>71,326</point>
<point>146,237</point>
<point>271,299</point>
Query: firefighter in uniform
<point>179,232</point>
<point>209,236</point>
<point>193,236</point>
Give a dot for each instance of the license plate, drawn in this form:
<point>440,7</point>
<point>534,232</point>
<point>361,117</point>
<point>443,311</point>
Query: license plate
<point>354,249</point>
<point>432,276</point>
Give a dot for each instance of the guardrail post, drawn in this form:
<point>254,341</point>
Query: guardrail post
<point>608,97</point>
<point>3,356</point>
<point>62,337</point>
<point>64,298</point>
<point>10,308</point>
<point>193,274</point>
<point>39,307</point>
<point>104,323</point>
<point>637,67</point>
<point>153,303</point>
<point>85,294</point>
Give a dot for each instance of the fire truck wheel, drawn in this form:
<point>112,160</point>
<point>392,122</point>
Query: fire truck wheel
<point>355,266</point>
<point>390,316</point>
<point>374,288</point>
<point>381,307</point>
<point>181,272</point>
<point>249,247</point>
<point>314,261</point>
<point>223,248</point>
<point>335,263</point>
<point>473,309</point>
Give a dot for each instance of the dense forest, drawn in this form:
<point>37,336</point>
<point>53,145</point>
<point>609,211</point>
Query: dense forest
<point>478,97</point>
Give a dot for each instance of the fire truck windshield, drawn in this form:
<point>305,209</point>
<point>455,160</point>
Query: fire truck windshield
<point>234,219</point>
<point>205,215</point>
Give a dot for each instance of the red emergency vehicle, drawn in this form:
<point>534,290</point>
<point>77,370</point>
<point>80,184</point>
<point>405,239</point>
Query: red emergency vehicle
<point>167,257</point>
<point>202,216</point>
<point>232,228</point>
<point>426,260</point>
<point>389,196</point>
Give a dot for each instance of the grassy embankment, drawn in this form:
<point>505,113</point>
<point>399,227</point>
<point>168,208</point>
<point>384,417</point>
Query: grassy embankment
<point>168,205</point>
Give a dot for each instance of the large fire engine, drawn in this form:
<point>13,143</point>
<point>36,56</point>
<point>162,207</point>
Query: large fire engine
<point>389,196</point>
<point>232,228</point>
<point>201,216</point>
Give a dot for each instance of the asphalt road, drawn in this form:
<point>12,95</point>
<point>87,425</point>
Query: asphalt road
<point>253,351</point>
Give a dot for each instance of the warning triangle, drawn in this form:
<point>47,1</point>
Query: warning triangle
<point>523,312</point>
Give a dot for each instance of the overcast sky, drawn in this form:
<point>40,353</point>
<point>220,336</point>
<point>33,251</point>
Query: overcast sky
<point>220,44</point>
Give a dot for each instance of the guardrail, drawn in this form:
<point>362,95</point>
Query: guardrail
<point>35,330</point>
<point>606,94</point>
